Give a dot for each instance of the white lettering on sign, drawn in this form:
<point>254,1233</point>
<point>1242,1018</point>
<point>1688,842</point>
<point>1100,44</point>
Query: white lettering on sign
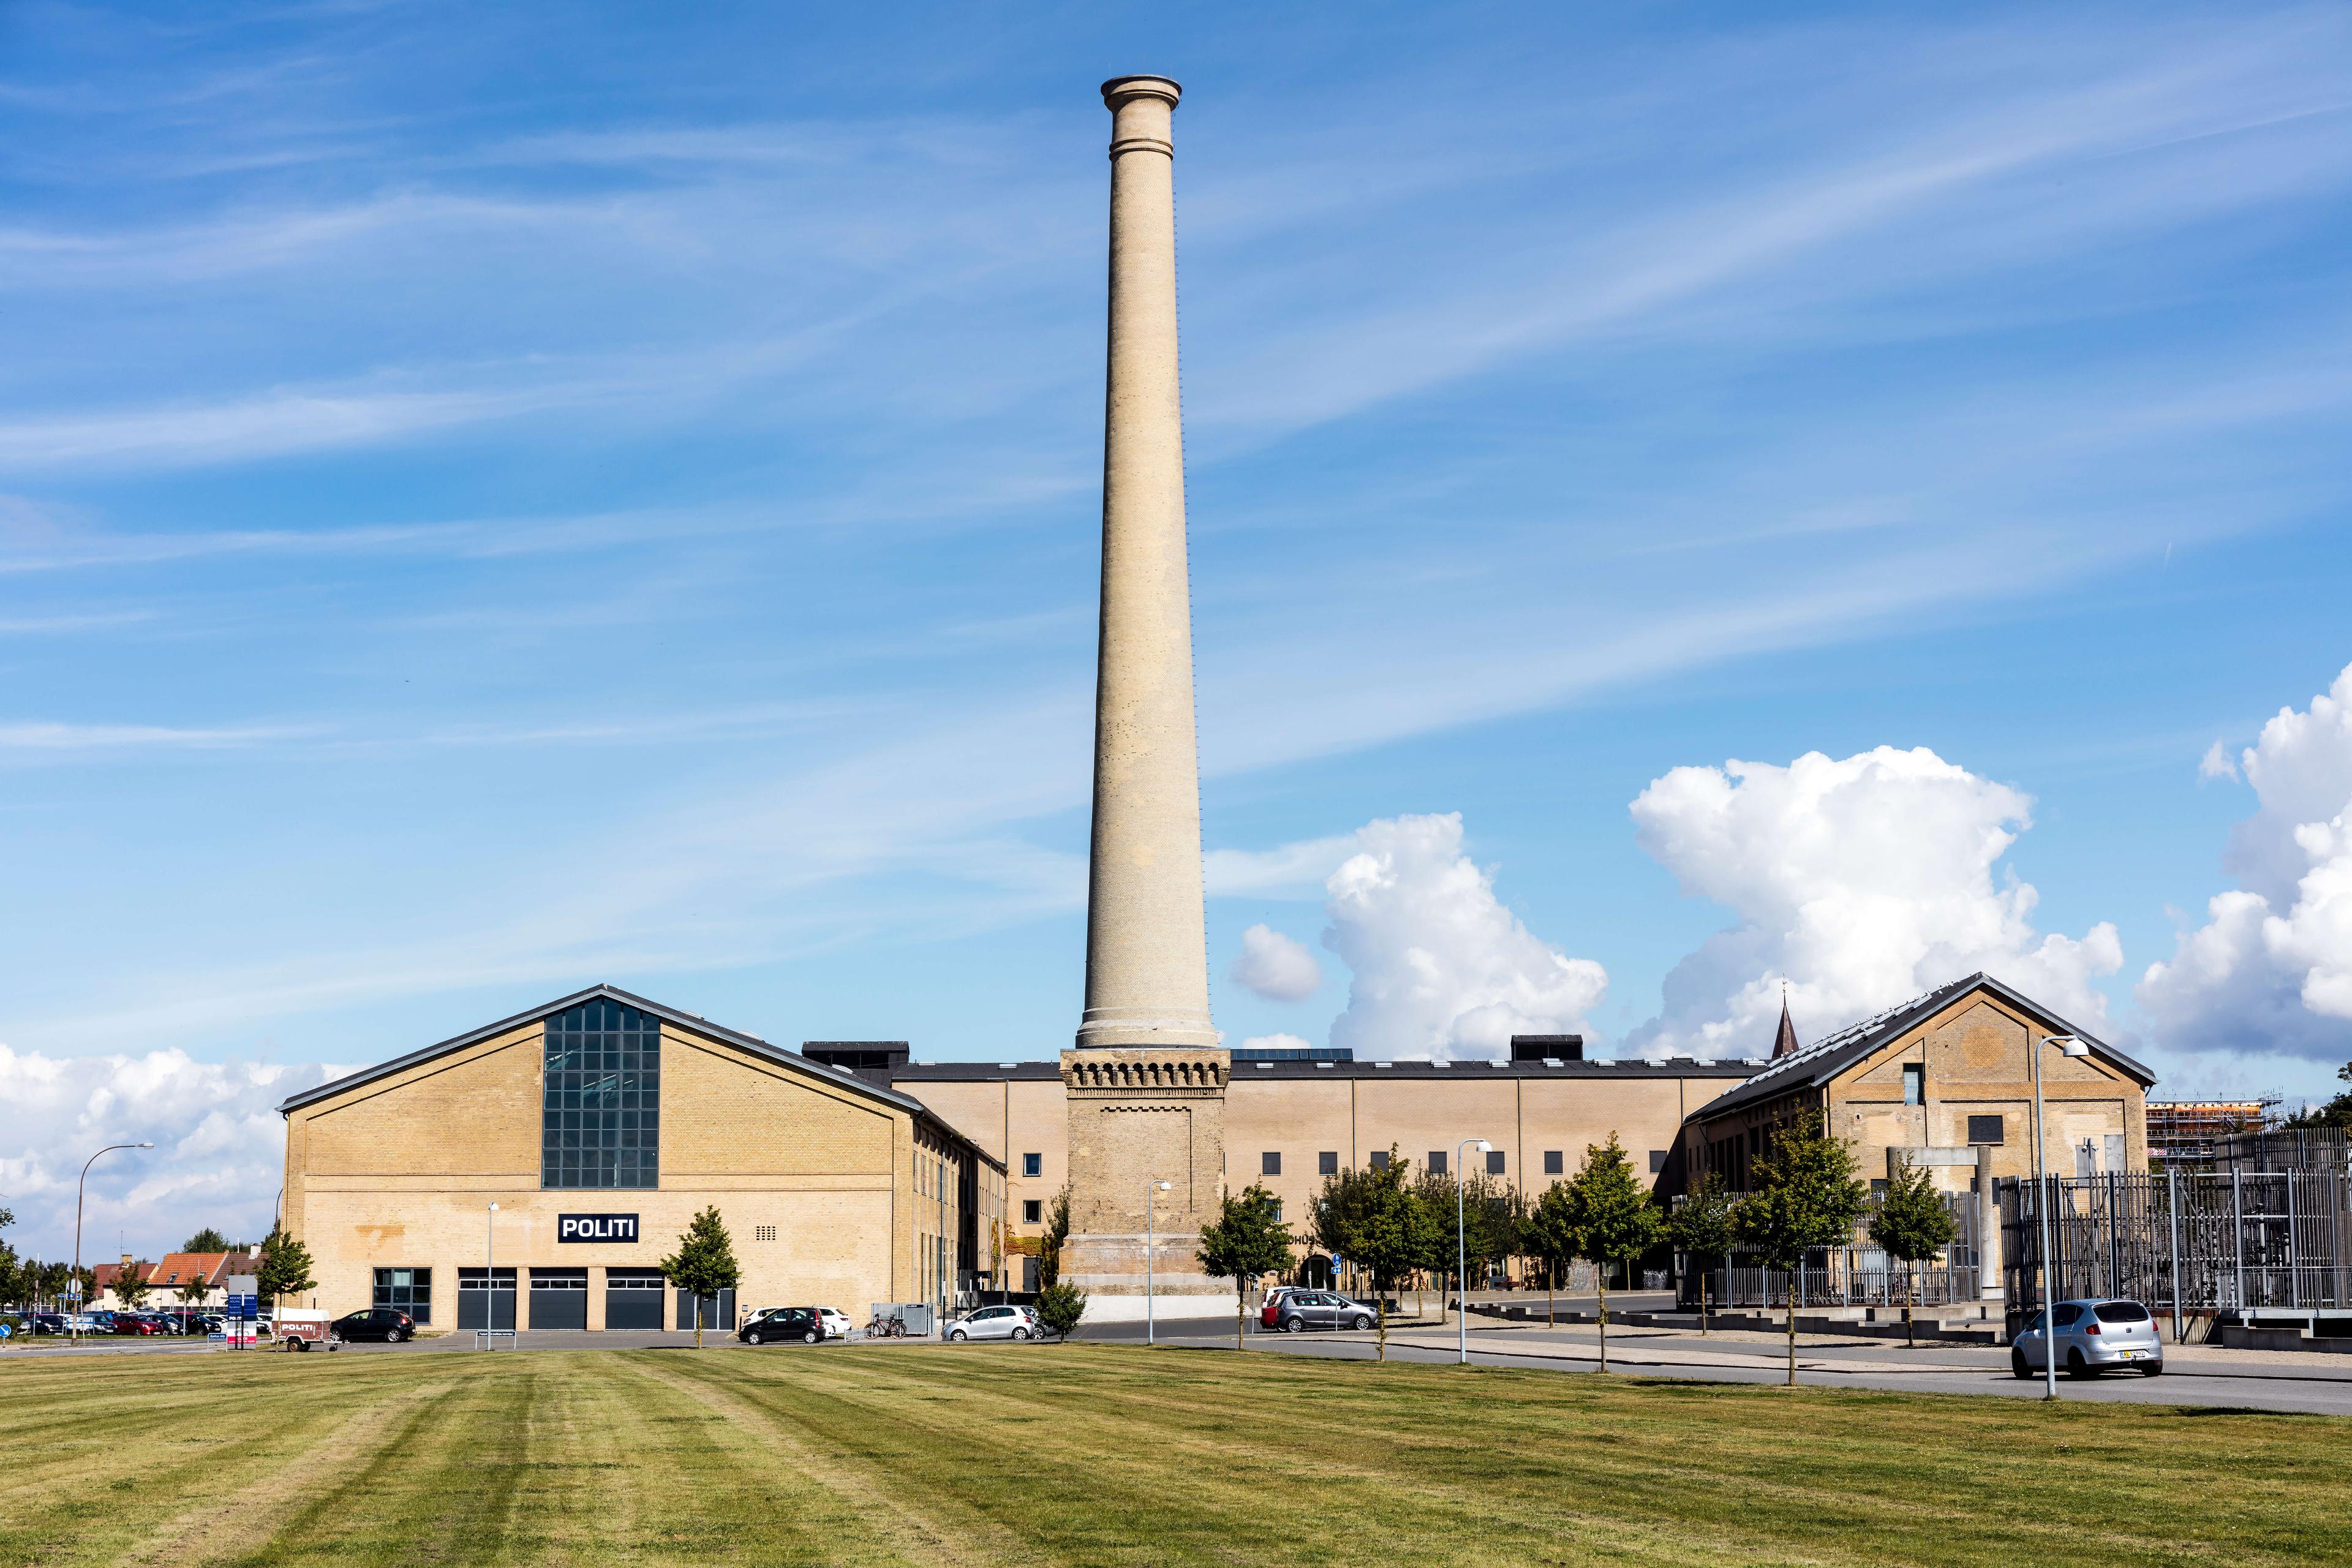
<point>595,1227</point>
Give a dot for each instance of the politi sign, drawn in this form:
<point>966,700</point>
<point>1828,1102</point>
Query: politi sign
<point>595,1227</point>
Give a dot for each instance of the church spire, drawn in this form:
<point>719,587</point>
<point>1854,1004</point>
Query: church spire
<point>1785,1043</point>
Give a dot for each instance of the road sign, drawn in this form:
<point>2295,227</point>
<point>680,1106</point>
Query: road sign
<point>73,1289</point>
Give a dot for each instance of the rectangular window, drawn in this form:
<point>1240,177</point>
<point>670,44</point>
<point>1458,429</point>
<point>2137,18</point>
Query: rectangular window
<point>1327,1164</point>
<point>1657,1161</point>
<point>1914,1083</point>
<point>1274,1211</point>
<point>1032,1164</point>
<point>1033,1211</point>
<point>763,1233</point>
<point>1437,1162</point>
<point>1494,1161</point>
<point>1984,1129</point>
<point>1379,1159</point>
<point>408,1290</point>
<point>1555,1162</point>
<point>1270,1163</point>
<point>600,1119</point>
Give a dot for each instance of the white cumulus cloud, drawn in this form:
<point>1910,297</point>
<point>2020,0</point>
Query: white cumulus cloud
<point>1275,1043</point>
<point>1278,967</point>
<point>1440,966</point>
<point>2270,972</point>
<point>1859,882</point>
<point>219,1160</point>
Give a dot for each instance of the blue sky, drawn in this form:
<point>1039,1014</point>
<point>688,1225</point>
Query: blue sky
<point>491,501</point>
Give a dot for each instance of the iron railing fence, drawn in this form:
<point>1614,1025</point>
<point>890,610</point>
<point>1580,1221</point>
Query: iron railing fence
<point>2279,1148</point>
<point>2184,1241</point>
<point>1857,1276</point>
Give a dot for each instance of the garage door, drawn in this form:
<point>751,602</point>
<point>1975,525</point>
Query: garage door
<point>633,1297</point>
<point>485,1299</point>
<point>559,1298</point>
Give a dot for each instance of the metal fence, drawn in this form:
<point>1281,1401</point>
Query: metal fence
<point>1858,1275</point>
<point>2235,1240</point>
<point>2318,1149</point>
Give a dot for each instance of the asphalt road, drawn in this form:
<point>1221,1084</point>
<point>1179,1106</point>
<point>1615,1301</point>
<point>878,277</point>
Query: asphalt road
<point>2195,1374</point>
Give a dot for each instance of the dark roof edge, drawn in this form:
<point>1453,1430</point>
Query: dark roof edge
<point>1933,1002</point>
<point>684,1020</point>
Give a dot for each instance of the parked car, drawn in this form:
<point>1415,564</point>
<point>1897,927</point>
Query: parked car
<point>138,1323</point>
<point>2092,1336</point>
<point>47,1323</point>
<point>996,1323</point>
<point>810,1325</point>
<point>1303,1309</point>
<point>374,1323</point>
<point>1269,1311</point>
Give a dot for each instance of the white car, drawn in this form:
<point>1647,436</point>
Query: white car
<point>995,1323</point>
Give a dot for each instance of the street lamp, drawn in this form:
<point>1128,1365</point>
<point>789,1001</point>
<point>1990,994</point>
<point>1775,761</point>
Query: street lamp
<point>1461,1241</point>
<point>490,1269</point>
<point>76,1319</point>
<point>2068,1046</point>
<point>1151,1326</point>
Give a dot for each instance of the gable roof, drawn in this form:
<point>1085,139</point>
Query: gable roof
<point>178,1268</point>
<point>690,1022</point>
<point>1826,1057</point>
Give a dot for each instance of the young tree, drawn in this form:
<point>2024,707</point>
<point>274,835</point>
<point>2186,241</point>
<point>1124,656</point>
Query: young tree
<point>1049,1245</point>
<point>1060,1308</point>
<point>1705,1224</point>
<point>1469,1224</point>
<point>1242,1242</point>
<point>192,1290</point>
<point>131,1286</point>
<point>1612,1216</point>
<point>205,1240</point>
<point>1549,1233</point>
<point>1371,1216</point>
<point>283,1266</point>
<point>1911,1223</point>
<point>1803,1194</point>
<point>704,1263</point>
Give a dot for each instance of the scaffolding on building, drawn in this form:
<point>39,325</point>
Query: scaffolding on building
<point>2245,1242</point>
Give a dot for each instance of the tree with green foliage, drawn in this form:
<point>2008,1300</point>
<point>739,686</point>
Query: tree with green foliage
<point>16,1277</point>
<point>205,1240</point>
<point>1049,1245</point>
<point>283,1267</point>
<point>2337,1112</point>
<point>1470,1225</point>
<point>1705,1224</point>
<point>1803,1194</point>
<point>704,1264</point>
<point>1242,1242</point>
<point>1613,1217</point>
<point>1372,1217</point>
<point>1060,1309</point>
<point>130,1285</point>
<point>1911,1222</point>
<point>1548,1234</point>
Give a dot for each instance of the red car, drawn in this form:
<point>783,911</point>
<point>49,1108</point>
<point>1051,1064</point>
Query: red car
<point>140,1324</point>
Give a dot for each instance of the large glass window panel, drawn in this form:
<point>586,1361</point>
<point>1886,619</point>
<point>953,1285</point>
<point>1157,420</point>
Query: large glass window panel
<point>600,1125</point>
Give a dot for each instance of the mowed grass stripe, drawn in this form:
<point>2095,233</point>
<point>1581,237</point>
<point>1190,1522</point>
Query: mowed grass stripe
<point>84,1453</point>
<point>874,1458</point>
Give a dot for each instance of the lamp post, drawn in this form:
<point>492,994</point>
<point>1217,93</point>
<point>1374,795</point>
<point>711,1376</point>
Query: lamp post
<point>1461,1243</point>
<point>2068,1046</point>
<point>75,1319</point>
<point>1151,1326</point>
<point>490,1269</point>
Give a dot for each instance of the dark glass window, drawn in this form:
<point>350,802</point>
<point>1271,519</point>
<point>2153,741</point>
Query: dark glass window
<point>1032,1164</point>
<point>1984,1129</point>
<point>1379,1159</point>
<point>1555,1162</point>
<point>408,1290</point>
<point>1269,1164</point>
<point>602,1119</point>
<point>1914,1083</point>
<point>1494,1161</point>
<point>1437,1162</point>
<point>1658,1161</point>
<point>1327,1164</point>
<point>1033,1211</point>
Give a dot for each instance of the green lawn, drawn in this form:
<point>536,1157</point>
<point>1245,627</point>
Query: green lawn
<point>1086,1454</point>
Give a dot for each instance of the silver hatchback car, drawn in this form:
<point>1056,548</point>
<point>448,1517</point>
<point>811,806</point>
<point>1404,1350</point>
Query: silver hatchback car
<point>2092,1337</point>
<point>995,1323</point>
